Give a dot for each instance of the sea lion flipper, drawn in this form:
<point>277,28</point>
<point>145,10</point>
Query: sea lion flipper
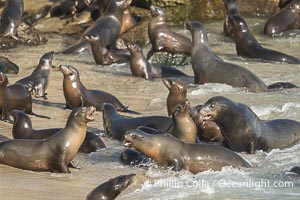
<point>73,165</point>
<point>282,85</point>
<point>40,116</point>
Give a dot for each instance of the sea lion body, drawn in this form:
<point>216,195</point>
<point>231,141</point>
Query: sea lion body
<point>116,125</point>
<point>128,20</point>
<point>38,80</point>
<point>167,151</point>
<point>247,46</point>
<point>162,38</point>
<point>243,131</point>
<point>11,17</point>
<point>112,188</point>
<point>209,68</point>
<point>22,129</point>
<point>52,154</point>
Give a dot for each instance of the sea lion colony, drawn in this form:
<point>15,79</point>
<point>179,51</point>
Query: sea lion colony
<point>219,115</point>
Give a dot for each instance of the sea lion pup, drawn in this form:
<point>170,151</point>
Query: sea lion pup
<point>231,10</point>
<point>184,127</point>
<point>52,154</point>
<point>22,129</point>
<point>11,17</point>
<point>141,67</point>
<point>77,95</point>
<point>13,97</point>
<point>163,38</point>
<point>111,189</point>
<point>243,131</point>
<point>116,125</point>
<point>107,27</point>
<point>286,19</point>
<point>37,82</point>
<point>168,151</point>
<point>209,68</point>
<point>102,55</point>
<point>247,46</point>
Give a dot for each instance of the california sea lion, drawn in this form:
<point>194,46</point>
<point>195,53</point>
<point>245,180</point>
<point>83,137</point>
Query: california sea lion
<point>112,188</point>
<point>243,131</point>
<point>133,157</point>
<point>52,154</point>
<point>7,66</point>
<point>37,82</point>
<point>247,46</point>
<point>162,38</point>
<point>14,97</point>
<point>102,55</point>
<point>286,19</point>
<point>167,151</point>
<point>295,170</point>
<point>77,95</point>
<point>107,27</point>
<point>116,125</point>
<point>22,129</point>
<point>128,20</point>
<point>11,17</point>
<point>141,67</point>
<point>231,10</point>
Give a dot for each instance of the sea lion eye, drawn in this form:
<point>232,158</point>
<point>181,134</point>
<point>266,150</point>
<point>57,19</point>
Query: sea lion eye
<point>212,106</point>
<point>133,136</point>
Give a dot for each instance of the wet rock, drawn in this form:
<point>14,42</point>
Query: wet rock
<point>7,66</point>
<point>169,59</point>
<point>8,43</point>
<point>28,35</point>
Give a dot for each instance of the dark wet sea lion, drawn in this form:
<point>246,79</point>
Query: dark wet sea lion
<point>116,125</point>
<point>11,17</point>
<point>7,66</point>
<point>163,38</point>
<point>52,154</point>
<point>167,151</point>
<point>102,55</point>
<point>247,46</point>
<point>232,10</point>
<point>111,189</point>
<point>37,82</point>
<point>295,170</point>
<point>184,127</point>
<point>243,131</point>
<point>107,27</point>
<point>14,96</point>
<point>287,18</point>
<point>77,95</point>
<point>141,67</point>
<point>22,129</point>
<point>209,68</point>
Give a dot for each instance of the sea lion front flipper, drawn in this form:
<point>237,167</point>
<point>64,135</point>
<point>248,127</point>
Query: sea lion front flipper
<point>72,165</point>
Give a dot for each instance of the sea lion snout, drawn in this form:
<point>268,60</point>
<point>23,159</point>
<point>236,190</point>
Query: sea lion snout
<point>89,113</point>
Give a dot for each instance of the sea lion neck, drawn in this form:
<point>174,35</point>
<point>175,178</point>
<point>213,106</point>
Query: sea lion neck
<point>115,8</point>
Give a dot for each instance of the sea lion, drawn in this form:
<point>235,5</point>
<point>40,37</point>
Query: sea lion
<point>184,127</point>
<point>295,170</point>
<point>133,157</point>
<point>112,188</point>
<point>209,68</point>
<point>22,129</point>
<point>107,27</point>
<point>247,46</point>
<point>243,131</point>
<point>77,95</point>
<point>37,82</point>
<point>141,67</point>
<point>14,97</point>
<point>11,17</point>
<point>102,55</point>
<point>116,125</point>
<point>167,151</point>
<point>231,10</point>
<point>128,20</point>
<point>162,38</point>
<point>7,66</point>
<point>52,154</point>
<point>286,19</point>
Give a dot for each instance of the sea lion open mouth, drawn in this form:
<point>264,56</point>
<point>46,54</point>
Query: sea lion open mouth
<point>89,113</point>
<point>207,118</point>
<point>127,140</point>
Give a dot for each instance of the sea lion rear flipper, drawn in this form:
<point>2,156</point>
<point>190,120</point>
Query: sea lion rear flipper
<point>282,85</point>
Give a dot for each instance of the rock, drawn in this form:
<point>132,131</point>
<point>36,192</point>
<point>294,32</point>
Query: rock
<point>7,66</point>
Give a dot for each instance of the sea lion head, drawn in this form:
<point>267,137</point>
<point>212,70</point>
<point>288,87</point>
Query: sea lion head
<point>198,31</point>
<point>21,118</point>
<point>239,24</point>
<point>175,86</point>
<point>157,12</point>
<point>3,80</point>
<point>230,6</point>
<point>69,72</point>
<point>182,109</point>
<point>46,60</point>
<point>108,110</point>
<point>82,114</point>
<point>135,138</point>
<point>120,183</point>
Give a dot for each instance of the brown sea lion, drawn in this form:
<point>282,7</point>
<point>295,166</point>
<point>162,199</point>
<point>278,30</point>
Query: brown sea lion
<point>11,17</point>
<point>107,26</point>
<point>102,55</point>
<point>14,97</point>
<point>168,151</point>
<point>141,67</point>
<point>37,82</point>
<point>243,131</point>
<point>22,129</point>
<point>52,154</point>
<point>111,189</point>
<point>248,47</point>
<point>116,125</point>
<point>287,18</point>
<point>162,38</point>
<point>128,20</point>
<point>77,95</point>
